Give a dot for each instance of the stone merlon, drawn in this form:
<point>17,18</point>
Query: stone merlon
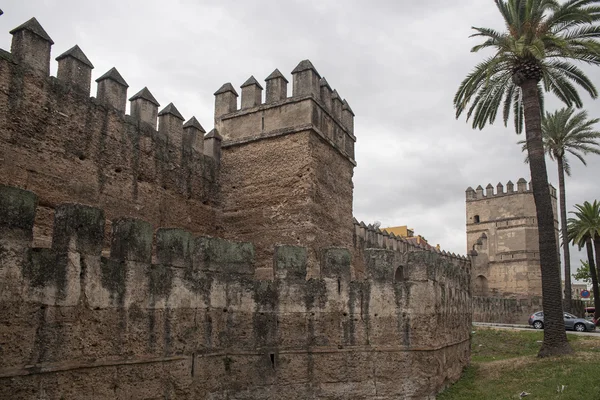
<point>347,116</point>
<point>276,75</point>
<point>346,107</point>
<point>77,54</point>
<point>522,187</point>
<point>212,145</point>
<point>75,69</point>
<point>33,26</point>
<point>145,95</point>
<point>193,135</point>
<point>305,65</point>
<point>31,46</point>
<point>326,93</point>
<point>193,123</point>
<point>225,100</point>
<point>251,93</point>
<point>306,80</point>
<point>227,87</point>
<point>251,81</point>
<point>112,90</point>
<point>170,109</point>
<point>276,86</point>
<point>113,75</point>
<point>144,107</point>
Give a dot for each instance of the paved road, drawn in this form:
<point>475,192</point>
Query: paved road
<point>528,328</point>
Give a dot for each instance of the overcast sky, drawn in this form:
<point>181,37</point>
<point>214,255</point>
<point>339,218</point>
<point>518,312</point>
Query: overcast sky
<point>398,64</point>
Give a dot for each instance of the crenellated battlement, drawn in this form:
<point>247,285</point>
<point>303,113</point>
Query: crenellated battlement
<point>313,105</point>
<point>30,49</point>
<point>522,187</point>
<point>368,236</point>
<point>68,146</point>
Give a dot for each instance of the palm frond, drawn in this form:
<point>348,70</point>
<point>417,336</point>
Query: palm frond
<point>539,33</point>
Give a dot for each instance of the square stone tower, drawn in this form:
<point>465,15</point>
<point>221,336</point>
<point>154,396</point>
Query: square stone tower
<point>502,228</point>
<point>286,164</point>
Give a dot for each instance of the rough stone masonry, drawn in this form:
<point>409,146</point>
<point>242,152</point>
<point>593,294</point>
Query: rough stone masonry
<point>141,257</point>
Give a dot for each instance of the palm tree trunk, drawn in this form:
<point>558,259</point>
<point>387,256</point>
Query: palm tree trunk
<point>555,338</point>
<point>594,273</point>
<point>563,229</point>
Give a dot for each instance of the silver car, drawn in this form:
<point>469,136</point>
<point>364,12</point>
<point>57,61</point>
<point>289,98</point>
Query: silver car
<point>572,322</point>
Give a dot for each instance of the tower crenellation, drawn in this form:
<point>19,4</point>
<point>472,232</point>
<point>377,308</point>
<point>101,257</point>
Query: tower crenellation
<point>255,118</point>
<point>510,187</point>
<point>305,80</point>
<point>326,93</point>
<point>479,191</point>
<point>522,187</point>
<point>347,116</point>
<point>225,100</point>
<point>276,87</point>
<point>499,188</point>
<point>336,104</point>
<point>251,93</point>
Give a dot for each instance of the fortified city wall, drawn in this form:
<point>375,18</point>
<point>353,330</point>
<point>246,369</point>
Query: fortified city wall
<point>139,262</point>
<point>66,147</point>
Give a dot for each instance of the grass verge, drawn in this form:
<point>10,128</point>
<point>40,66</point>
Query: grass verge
<point>504,364</point>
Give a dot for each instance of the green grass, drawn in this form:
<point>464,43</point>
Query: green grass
<point>504,363</point>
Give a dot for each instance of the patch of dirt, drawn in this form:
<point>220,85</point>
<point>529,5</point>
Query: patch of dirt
<point>495,369</point>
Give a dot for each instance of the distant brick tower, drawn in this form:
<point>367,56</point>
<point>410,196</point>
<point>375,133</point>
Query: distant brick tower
<point>286,164</point>
<point>502,228</point>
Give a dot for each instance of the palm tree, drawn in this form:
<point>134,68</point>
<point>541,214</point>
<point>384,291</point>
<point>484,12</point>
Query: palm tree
<point>534,55</point>
<point>585,230</point>
<point>564,133</point>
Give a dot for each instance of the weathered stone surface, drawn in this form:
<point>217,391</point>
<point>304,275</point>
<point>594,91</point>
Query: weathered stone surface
<point>289,298</point>
<point>17,208</point>
<point>149,320</point>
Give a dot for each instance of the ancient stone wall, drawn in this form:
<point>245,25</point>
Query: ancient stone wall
<point>195,323</point>
<point>68,147</point>
<point>502,229</point>
<point>512,311</point>
<point>293,300</point>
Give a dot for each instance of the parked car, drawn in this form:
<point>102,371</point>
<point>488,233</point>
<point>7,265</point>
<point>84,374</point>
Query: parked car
<point>572,322</point>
